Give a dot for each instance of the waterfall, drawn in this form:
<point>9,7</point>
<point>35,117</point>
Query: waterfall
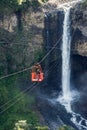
<point>66,97</point>
<point>66,56</point>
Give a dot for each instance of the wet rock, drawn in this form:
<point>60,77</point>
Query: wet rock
<point>79,29</point>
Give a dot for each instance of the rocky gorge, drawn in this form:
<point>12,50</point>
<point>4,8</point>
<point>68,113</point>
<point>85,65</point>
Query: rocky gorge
<point>27,31</point>
<point>28,36</point>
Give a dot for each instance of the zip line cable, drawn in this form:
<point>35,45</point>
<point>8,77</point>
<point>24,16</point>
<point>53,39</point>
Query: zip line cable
<point>18,99</point>
<point>25,90</point>
<point>29,89</point>
<point>12,74</point>
<point>30,67</point>
<point>19,94</point>
<point>40,62</point>
<point>72,49</point>
<point>15,96</point>
<point>51,49</point>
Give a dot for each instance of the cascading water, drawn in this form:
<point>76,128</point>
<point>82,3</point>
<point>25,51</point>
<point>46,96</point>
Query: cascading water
<point>66,43</point>
<point>66,97</point>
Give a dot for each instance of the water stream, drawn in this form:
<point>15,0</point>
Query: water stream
<point>66,43</point>
<point>67,97</point>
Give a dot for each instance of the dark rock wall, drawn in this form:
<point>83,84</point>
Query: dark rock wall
<point>54,26</point>
<point>53,38</point>
<point>79,29</point>
<point>18,48</point>
<point>79,83</point>
<point>79,57</point>
<point>79,41</point>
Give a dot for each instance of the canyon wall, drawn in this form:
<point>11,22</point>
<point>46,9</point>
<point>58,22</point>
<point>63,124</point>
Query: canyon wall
<point>79,56</point>
<point>79,29</point>
<point>21,39</point>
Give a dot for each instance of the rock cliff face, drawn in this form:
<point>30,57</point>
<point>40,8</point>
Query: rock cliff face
<point>21,39</point>
<point>79,29</point>
<point>53,39</point>
<point>79,39</point>
<point>79,56</point>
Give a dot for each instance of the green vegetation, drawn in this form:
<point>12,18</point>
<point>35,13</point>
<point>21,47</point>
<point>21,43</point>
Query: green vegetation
<point>41,128</point>
<point>16,5</point>
<point>23,125</point>
<point>65,128</point>
<point>15,105</point>
<point>39,54</point>
<point>44,1</point>
<point>84,4</point>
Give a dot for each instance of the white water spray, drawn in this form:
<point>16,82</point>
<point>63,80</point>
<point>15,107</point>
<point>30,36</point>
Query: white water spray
<point>67,95</point>
<point>65,99</point>
<point>66,56</point>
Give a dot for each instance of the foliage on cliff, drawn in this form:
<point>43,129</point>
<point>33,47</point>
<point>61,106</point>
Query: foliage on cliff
<point>85,3</point>
<point>16,5</point>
